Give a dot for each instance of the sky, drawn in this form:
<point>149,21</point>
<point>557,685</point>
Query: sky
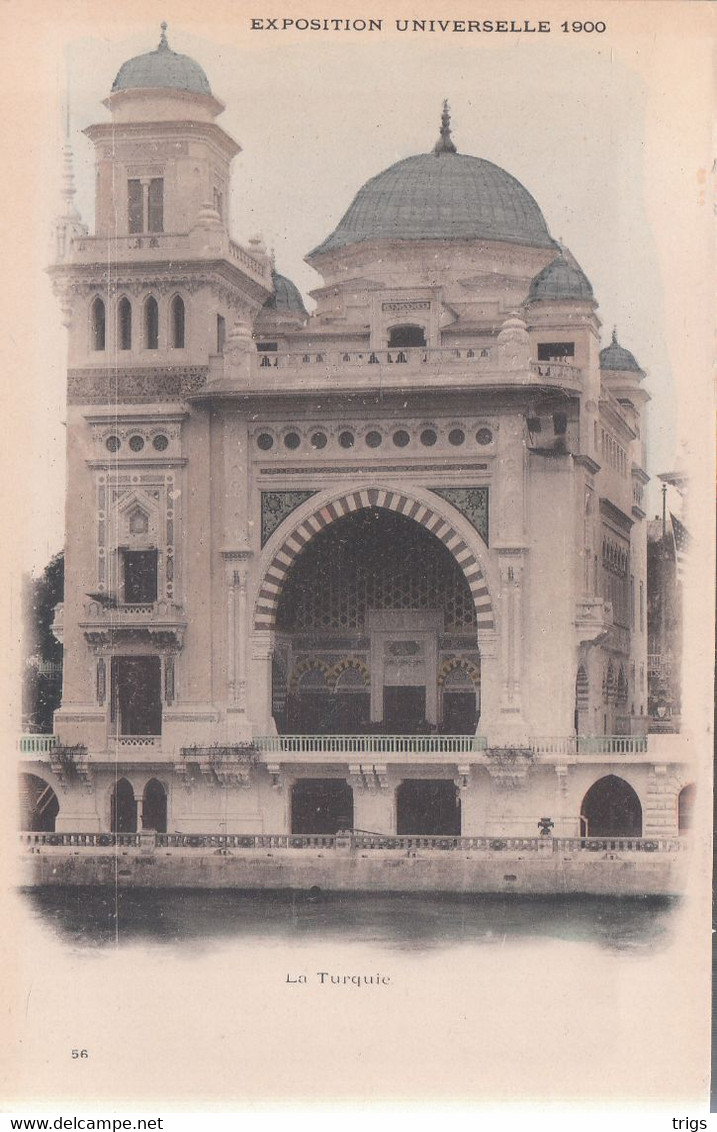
<point>588,123</point>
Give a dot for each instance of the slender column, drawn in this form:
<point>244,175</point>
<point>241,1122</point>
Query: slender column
<point>236,575</point>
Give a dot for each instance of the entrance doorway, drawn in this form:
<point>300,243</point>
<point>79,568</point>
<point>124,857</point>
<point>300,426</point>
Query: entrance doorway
<point>123,808</point>
<point>611,808</point>
<point>404,710</point>
<point>321,805</point>
<point>428,806</point>
<point>154,806</point>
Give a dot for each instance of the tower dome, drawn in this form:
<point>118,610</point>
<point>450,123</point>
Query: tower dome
<point>443,195</point>
<point>561,280</point>
<point>616,357</point>
<point>162,68</point>
<point>286,297</point>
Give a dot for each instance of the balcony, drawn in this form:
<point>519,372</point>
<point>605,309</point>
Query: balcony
<point>160,619</point>
<point>159,246</point>
<point>380,370</point>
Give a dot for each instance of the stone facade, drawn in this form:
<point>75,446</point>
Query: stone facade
<point>382,567</point>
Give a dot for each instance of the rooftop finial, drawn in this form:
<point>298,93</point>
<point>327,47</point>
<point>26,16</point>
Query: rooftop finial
<point>445,141</point>
<point>614,336</point>
<point>163,37</point>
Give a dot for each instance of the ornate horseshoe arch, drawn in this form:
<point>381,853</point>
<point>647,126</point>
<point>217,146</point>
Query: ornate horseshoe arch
<point>323,515</point>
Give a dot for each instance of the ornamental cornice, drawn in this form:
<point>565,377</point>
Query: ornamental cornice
<point>136,281</point>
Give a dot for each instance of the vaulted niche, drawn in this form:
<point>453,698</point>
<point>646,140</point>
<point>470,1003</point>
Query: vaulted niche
<point>376,633</point>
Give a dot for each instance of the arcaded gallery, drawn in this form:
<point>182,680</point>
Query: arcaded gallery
<point>374,571</point>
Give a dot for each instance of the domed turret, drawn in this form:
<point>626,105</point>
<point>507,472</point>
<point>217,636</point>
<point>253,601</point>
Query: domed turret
<point>162,69</point>
<point>443,195</point>
<point>561,280</point>
<point>286,298</point>
<point>616,357</point>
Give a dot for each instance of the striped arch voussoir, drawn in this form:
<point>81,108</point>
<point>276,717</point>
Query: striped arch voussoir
<point>450,665</point>
<point>280,565</point>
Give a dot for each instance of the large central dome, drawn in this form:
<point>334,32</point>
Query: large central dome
<point>442,195</point>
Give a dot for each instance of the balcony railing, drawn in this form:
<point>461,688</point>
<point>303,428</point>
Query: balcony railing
<point>37,744</point>
<point>136,740</point>
<point>122,613</point>
<point>413,358</point>
<point>357,841</point>
<point>371,744</point>
<point>589,745</point>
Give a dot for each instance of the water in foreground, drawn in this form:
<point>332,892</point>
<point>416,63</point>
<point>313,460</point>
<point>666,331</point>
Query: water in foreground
<point>98,917</point>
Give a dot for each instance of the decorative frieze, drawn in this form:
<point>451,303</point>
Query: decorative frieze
<point>133,386</point>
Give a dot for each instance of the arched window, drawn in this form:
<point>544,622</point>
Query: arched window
<point>98,324</point>
<point>38,804</point>
<point>124,323</point>
<point>151,324</point>
<point>685,808</point>
<point>177,322</point>
<point>406,336</point>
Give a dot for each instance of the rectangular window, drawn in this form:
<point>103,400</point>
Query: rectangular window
<point>155,221</point>
<point>221,333</point>
<point>555,351</point>
<point>135,206</point>
<point>139,576</point>
<point>137,695</point>
<point>632,601</point>
<point>642,607</point>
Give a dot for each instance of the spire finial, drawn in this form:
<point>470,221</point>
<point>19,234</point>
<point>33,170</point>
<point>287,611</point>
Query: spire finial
<point>445,142</point>
<point>163,37</point>
<point>614,336</point>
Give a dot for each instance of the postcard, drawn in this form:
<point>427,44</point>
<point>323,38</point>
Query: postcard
<point>359,474</point>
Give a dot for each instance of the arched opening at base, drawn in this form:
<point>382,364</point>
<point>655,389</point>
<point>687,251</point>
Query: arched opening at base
<point>428,806</point>
<point>686,807</point>
<point>154,806</point>
<point>611,808</point>
<point>321,805</point>
<point>39,806</point>
<point>123,808</point>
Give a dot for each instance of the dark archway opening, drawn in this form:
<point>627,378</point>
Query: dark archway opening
<point>336,671</point>
<point>123,809</point>
<point>611,808</point>
<point>321,805</point>
<point>39,806</point>
<point>428,806</point>
<point>686,807</point>
<point>154,806</point>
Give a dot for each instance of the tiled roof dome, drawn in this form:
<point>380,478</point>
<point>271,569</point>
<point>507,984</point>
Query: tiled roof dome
<point>443,195</point>
<point>617,357</point>
<point>162,68</point>
<point>286,297</point>
<point>561,279</point>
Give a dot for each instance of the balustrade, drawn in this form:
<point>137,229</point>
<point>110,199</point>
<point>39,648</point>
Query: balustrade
<point>589,745</point>
<point>357,841</point>
<point>371,744</point>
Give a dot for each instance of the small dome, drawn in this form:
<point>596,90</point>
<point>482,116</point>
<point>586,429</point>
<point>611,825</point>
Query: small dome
<point>286,298</point>
<point>443,195</point>
<point>162,68</point>
<point>561,279</point>
<point>616,357</point>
